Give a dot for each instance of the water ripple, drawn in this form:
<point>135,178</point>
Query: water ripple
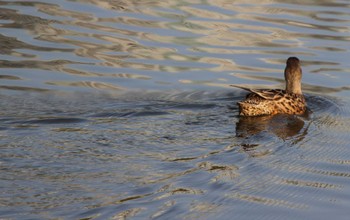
<point>106,38</point>
<point>123,109</point>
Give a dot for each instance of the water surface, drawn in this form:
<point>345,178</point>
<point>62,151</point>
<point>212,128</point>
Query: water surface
<point>122,109</point>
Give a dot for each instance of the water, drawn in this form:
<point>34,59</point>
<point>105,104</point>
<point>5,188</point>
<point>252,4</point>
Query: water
<point>122,109</point>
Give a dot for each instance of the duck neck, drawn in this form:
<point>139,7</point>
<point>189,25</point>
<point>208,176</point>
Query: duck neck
<point>293,87</point>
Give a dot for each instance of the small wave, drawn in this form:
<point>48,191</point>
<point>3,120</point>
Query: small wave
<point>51,121</point>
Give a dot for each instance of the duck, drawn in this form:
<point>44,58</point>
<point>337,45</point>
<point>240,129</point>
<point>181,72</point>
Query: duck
<point>290,101</point>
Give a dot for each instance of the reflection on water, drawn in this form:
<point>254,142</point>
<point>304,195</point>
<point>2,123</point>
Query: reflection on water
<point>283,126</point>
<point>95,122</point>
<point>132,44</point>
<point>165,154</point>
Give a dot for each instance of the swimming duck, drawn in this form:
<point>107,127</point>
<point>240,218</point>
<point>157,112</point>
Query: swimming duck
<point>277,101</point>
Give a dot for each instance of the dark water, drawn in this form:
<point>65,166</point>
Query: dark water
<point>122,110</point>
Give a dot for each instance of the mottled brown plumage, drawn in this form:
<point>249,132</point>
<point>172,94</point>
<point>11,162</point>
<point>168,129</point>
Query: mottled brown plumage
<point>277,101</point>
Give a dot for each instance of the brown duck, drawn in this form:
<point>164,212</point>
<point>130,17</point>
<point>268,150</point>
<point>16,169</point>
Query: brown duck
<point>277,101</point>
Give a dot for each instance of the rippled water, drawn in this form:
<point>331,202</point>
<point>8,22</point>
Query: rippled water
<point>122,109</point>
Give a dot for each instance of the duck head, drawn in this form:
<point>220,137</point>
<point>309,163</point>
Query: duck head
<point>292,75</point>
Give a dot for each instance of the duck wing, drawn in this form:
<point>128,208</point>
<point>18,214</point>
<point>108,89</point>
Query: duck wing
<point>268,94</point>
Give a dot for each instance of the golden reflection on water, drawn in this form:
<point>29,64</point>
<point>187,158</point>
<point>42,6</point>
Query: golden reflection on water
<point>150,159</point>
<point>268,201</point>
<point>135,36</point>
<point>96,85</point>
